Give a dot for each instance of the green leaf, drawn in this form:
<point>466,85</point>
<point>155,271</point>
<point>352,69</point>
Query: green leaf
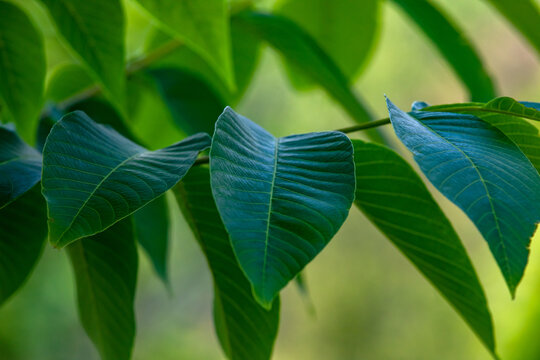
<point>331,24</point>
<point>524,15</point>
<point>507,115</point>
<point>152,232</point>
<point>105,267</point>
<point>281,199</point>
<point>23,231</point>
<point>202,25</point>
<point>483,172</point>
<point>394,198</point>
<point>301,50</point>
<point>193,104</point>
<point>95,31</point>
<point>22,69</point>
<point>66,81</point>
<point>20,166</point>
<point>245,330</point>
<point>94,177</point>
<point>453,45</point>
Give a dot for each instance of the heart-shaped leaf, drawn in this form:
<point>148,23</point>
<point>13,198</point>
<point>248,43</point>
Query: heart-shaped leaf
<point>20,166</point>
<point>23,231</point>
<point>482,171</point>
<point>22,69</point>
<point>94,177</point>
<point>95,31</point>
<point>245,330</point>
<point>105,267</point>
<point>281,199</point>
<point>394,198</point>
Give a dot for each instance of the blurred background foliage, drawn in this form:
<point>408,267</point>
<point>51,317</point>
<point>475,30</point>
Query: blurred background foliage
<point>369,302</point>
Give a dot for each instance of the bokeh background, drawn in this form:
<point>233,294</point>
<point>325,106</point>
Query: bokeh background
<point>366,300</point>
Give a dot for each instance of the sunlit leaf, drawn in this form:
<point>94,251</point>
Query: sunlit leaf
<point>245,330</point>
<point>281,199</point>
<point>483,172</point>
<point>202,25</point>
<point>66,81</point>
<point>105,267</point>
<point>94,177</point>
<point>95,31</point>
<point>23,231</point>
<point>22,69</point>
<point>394,198</point>
<point>152,232</point>
<point>20,166</point>
<point>453,45</point>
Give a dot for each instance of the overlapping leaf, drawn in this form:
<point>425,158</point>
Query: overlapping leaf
<point>95,31</point>
<point>483,172</point>
<point>394,198</point>
<point>281,199</point>
<point>245,330</point>
<point>152,232</point>
<point>202,25</point>
<point>20,166</point>
<point>331,24</point>
<point>94,177</point>
<point>22,69</point>
<point>301,50</point>
<point>23,231</point>
<point>453,45</point>
<point>105,267</point>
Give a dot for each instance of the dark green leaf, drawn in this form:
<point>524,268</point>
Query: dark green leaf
<point>394,198</point>
<point>22,69</point>
<point>23,231</point>
<point>245,330</point>
<point>94,177</point>
<point>331,24</point>
<point>453,45</point>
<point>20,166</point>
<point>303,52</point>
<point>482,171</point>
<point>152,232</point>
<point>105,267</point>
<point>524,15</point>
<point>95,31</point>
<point>202,25</point>
<point>193,104</point>
<point>281,199</point>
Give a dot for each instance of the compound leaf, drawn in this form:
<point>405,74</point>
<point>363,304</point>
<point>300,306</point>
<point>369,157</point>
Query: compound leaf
<point>94,177</point>
<point>281,199</point>
<point>483,172</point>
<point>394,198</point>
<point>245,330</point>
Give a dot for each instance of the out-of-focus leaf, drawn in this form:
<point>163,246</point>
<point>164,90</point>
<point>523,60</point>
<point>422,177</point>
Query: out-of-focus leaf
<point>452,44</point>
<point>301,50</point>
<point>20,166</point>
<point>194,105</point>
<point>245,330</point>
<point>281,199</point>
<point>524,15</point>
<point>394,198</point>
<point>23,231</point>
<point>105,267</point>
<point>66,81</point>
<point>333,24</point>
<point>95,31</point>
<point>152,232</point>
<point>94,177</point>
<point>149,117</point>
<point>202,25</point>
<point>483,172</point>
<point>22,69</point>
